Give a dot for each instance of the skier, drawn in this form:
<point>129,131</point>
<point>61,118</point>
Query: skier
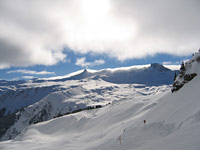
<point>120,139</point>
<point>145,123</point>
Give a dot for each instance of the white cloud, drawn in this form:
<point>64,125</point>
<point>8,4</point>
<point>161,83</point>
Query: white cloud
<point>36,32</point>
<point>82,62</point>
<point>27,77</point>
<point>167,63</point>
<point>24,71</point>
<point>2,66</point>
<point>172,63</point>
<point>172,67</point>
<point>98,62</point>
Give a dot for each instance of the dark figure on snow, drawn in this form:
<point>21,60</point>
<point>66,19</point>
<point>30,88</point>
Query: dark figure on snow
<point>145,123</point>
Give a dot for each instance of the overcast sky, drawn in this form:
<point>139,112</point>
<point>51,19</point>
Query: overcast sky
<point>43,32</point>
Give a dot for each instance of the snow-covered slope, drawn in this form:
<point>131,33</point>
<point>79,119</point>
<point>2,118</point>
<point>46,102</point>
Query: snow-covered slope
<point>188,71</point>
<point>172,119</point>
<point>9,85</point>
<point>14,100</point>
<point>150,75</point>
<point>77,95</point>
<point>173,122</point>
<point>15,95</point>
<point>37,100</point>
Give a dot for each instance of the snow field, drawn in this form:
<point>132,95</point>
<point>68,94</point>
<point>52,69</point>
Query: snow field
<point>172,119</point>
<point>173,122</point>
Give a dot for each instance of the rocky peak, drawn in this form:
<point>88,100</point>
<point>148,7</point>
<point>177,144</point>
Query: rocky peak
<point>158,67</point>
<point>188,71</point>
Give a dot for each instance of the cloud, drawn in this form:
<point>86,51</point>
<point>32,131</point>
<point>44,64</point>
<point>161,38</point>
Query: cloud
<point>98,62</point>
<point>171,63</point>
<point>24,71</point>
<point>36,32</point>
<point>172,67</point>
<point>81,62</point>
<point>27,77</point>
<point>2,66</point>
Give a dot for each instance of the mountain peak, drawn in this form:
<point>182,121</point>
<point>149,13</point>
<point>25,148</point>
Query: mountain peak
<point>188,71</point>
<point>159,67</point>
<point>85,70</point>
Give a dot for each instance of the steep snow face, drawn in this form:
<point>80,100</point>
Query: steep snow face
<point>172,122</point>
<point>14,100</point>
<point>180,113</point>
<point>188,71</point>
<point>9,85</point>
<point>192,66</point>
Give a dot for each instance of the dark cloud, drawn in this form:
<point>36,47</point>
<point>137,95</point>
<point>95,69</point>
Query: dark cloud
<point>172,24</point>
<point>36,32</point>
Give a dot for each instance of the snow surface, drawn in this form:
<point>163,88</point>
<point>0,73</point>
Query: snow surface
<point>192,66</point>
<point>15,95</point>
<point>189,70</point>
<point>173,122</point>
<point>172,119</point>
<point>74,95</point>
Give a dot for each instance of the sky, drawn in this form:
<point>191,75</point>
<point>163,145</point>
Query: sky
<point>52,38</point>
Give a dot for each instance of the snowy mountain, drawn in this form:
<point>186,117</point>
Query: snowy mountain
<point>150,75</point>
<point>23,103</point>
<point>80,96</point>
<point>19,94</point>
<point>188,71</point>
<point>172,119</point>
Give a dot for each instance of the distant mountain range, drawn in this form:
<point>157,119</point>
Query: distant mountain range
<point>38,100</point>
<point>150,75</point>
<point>137,110</point>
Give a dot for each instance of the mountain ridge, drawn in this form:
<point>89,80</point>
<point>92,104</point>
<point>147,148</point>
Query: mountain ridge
<point>79,91</point>
<point>129,76</point>
<point>171,122</point>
